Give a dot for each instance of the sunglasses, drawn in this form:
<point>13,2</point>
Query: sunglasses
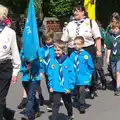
<point>77,10</point>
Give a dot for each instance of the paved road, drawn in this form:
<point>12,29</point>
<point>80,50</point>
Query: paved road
<point>104,107</point>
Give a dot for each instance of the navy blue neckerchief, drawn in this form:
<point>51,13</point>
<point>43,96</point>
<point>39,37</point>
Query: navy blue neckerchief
<point>2,26</point>
<point>76,61</point>
<point>79,22</point>
<point>115,44</point>
<point>79,51</point>
<point>48,46</point>
<point>61,59</point>
<point>116,36</point>
<point>47,53</point>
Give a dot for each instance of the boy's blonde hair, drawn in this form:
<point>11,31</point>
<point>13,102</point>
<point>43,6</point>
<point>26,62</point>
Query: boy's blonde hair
<point>81,39</point>
<point>60,44</point>
<point>115,24</point>
<point>3,12</point>
<point>48,34</point>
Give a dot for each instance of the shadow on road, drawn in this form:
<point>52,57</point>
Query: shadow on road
<point>60,116</point>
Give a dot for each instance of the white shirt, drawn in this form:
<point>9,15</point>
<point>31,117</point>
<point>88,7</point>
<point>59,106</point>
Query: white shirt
<point>9,49</point>
<point>85,31</point>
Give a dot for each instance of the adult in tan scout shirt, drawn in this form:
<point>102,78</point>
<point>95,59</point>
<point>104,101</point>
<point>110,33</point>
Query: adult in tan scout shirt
<point>9,63</point>
<point>83,26</point>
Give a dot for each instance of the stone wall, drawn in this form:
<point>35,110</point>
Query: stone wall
<point>53,24</point>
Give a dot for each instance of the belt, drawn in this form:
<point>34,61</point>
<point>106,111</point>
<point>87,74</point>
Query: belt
<point>4,61</point>
<point>93,45</point>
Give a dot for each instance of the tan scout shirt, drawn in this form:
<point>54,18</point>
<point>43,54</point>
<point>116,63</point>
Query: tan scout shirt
<point>85,30</point>
<point>9,49</point>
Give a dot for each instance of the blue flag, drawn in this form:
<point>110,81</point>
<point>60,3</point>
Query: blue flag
<point>30,35</point>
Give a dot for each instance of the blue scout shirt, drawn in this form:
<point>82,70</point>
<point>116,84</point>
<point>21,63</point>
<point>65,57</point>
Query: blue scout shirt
<point>61,75</point>
<point>23,66</point>
<point>47,54</point>
<point>34,71</point>
<point>85,67</point>
<point>41,60</point>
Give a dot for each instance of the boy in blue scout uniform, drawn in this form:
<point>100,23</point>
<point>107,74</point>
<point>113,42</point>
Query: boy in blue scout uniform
<point>30,81</point>
<point>83,67</point>
<point>61,79</point>
<point>26,77</point>
<point>47,53</point>
<point>113,46</point>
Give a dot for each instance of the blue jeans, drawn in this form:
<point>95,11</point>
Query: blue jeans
<point>32,106</point>
<point>115,66</point>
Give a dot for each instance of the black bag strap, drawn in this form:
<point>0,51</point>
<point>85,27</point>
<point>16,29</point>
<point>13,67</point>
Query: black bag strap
<point>91,24</point>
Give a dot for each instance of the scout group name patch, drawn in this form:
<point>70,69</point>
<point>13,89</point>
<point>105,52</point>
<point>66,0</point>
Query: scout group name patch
<point>52,66</point>
<point>85,57</point>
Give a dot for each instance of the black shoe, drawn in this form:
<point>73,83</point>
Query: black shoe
<point>41,100</point>
<point>76,99</point>
<point>82,110</point>
<point>22,104</point>
<point>117,93</point>
<point>38,114</point>
<point>61,102</point>
<point>28,118</point>
<point>95,94</point>
<point>23,111</point>
<point>92,95</point>
<point>9,114</point>
<point>49,108</point>
<point>25,118</point>
<point>71,117</point>
<point>103,87</point>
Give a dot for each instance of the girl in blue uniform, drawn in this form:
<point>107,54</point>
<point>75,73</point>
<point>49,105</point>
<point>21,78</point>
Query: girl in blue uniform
<point>84,68</point>
<point>61,79</point>
<point>30,82</point>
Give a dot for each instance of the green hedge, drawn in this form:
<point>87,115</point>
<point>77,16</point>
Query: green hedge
<point>37,8</point>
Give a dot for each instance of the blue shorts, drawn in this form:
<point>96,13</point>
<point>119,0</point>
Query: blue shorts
<point>115,66</point>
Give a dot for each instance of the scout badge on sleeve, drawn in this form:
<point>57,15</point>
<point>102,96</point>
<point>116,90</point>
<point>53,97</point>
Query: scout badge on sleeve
<point>85,57</point>
<point>52,66</point>
<point>40,59</point>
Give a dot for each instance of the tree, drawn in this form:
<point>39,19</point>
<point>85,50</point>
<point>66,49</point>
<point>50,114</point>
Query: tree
<point>58,8</point>
<point>37,7</point>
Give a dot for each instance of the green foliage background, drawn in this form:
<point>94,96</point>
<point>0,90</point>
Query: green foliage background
<point>63,8</point>
<point>37,8</point>
<point>58,8</point>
